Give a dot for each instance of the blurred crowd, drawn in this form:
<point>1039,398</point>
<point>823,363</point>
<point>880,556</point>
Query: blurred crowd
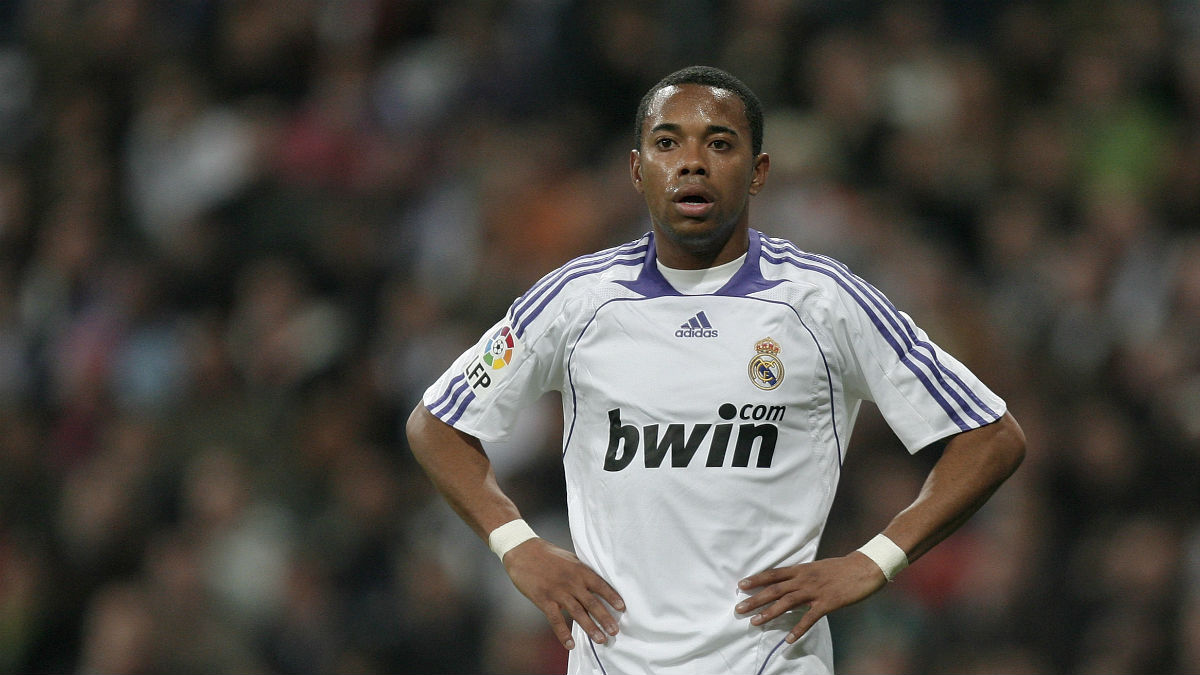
<point>238,238</point>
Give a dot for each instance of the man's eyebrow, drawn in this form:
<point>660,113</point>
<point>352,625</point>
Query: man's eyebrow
<point>709,131</point>
<point>718,129</point>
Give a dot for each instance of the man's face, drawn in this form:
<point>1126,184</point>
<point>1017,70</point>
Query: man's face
<point>697,171</point>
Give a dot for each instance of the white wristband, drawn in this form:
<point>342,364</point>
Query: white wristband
<point>508,536</point>
<point>885,553</point>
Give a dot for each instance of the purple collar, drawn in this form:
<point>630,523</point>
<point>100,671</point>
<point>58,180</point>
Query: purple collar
<point>748,279</point>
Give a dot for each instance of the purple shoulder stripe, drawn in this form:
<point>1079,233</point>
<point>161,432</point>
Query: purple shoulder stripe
<point>462,407</point>
<point>529,306</point>
<point>919,356</point>
<point>910,335</point>
<point>523,303</point>
<point>458,395</point>
<point>548,280</point>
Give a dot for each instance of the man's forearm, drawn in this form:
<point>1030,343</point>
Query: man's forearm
<point>552,578</point>
<point>973,465</point>
<point>461,471</point>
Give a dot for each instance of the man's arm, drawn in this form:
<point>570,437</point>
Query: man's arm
<point>971,468</point>
<point>551,577</point>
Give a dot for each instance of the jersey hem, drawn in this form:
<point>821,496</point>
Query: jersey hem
<point>466,429</point>
<point>925,442</point>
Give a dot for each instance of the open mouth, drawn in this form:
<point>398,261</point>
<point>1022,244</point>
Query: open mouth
<point>692,193</point>
<point>693,203</point>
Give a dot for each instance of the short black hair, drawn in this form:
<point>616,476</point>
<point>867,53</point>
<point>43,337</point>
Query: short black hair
<point>710,77</point>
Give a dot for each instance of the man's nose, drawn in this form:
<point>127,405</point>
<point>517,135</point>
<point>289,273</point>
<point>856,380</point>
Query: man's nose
<point>693,161</point>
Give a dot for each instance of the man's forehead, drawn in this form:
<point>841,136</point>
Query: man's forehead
<point>686,97</point>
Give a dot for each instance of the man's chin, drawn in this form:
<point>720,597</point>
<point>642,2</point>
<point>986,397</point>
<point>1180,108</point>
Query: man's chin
<point>699,237</point>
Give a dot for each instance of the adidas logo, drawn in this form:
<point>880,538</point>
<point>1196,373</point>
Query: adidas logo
<point>696,327</point>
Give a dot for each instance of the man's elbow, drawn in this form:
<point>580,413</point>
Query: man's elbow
<point>1008,444</point>
<point>428,434</point>
<point>415,421</point>
<point>417,428</point>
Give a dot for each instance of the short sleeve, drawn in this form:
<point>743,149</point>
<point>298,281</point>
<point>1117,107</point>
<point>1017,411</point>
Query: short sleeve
<point>488,385</point>
<point>923,392</point>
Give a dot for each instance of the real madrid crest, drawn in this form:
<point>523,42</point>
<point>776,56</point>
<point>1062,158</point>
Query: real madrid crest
<point>766,370</point>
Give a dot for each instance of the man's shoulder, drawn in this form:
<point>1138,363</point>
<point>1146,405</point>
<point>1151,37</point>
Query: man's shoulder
<point>578,279</point>
<point>783,259</point>
<point>630,253</point>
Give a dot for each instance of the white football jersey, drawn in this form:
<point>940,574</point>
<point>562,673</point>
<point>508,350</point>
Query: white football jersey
<point>704,434</point>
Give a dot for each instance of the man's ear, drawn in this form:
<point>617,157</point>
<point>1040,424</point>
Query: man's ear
<point>762,165</point>
<point>635,169</point>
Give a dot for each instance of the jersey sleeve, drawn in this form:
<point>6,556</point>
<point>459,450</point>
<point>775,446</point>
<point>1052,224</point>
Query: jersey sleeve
<point>506,370</point>
<point>923,392</point>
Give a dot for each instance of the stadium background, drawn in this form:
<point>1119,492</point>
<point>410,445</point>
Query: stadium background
<point>238,238</point>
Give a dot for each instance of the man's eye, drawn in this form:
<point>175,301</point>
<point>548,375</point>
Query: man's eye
<point>720,144</point>
<point>665,143</point>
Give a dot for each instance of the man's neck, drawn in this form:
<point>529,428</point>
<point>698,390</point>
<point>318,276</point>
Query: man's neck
<point>677,255</point>
<point>701,281</point>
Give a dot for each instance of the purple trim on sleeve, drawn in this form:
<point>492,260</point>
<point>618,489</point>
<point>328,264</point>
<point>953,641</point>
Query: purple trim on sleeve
<point>912,340</point>
<point>454,390</point>
<point>529,306</point>
<point>896,330</point>
<point>462,407</point>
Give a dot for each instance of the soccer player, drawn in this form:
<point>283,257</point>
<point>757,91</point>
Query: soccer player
<point>710,377</point>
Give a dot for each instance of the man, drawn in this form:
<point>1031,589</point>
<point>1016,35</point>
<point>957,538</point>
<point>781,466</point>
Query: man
<point>710,378</point>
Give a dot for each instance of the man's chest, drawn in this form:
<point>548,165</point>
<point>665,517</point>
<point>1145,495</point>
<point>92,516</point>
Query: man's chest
<point>698,358</point>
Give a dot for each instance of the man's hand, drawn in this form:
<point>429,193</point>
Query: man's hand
<point>823,586</point>
<point>560,585</point>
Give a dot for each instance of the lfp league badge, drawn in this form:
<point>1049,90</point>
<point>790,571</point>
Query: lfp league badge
<point>499,350</point>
